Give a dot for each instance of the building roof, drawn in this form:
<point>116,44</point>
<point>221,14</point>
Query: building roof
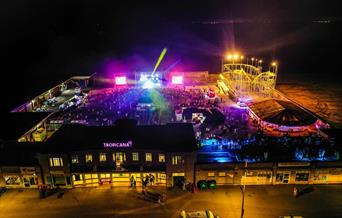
<point>283,113</point>
<point>13,153</point>
<point>175,137</point>
<point>17,124</point>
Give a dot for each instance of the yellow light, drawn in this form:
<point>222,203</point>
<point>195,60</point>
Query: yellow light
<point>241,57</point>
<point>274,63</point>
<point>229,57</point>
<point>260,61</point>
<point>252,59</point>
<point>236,56</point>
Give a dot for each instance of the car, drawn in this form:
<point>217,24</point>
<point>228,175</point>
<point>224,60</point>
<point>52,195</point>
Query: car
<point>198,214</point>
<point>153,195</point>
<point>290,216</point>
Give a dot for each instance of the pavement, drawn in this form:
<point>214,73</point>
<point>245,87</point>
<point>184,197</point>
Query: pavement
<point>260,201</point>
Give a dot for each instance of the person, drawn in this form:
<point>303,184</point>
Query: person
<point>295,191</point>
<point>132,181</point>
<point>151,179</point>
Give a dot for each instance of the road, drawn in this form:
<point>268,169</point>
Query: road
<point>260,201</point>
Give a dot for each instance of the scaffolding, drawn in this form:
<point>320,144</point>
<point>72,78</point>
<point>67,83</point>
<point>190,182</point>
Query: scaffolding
<point>248,81</point>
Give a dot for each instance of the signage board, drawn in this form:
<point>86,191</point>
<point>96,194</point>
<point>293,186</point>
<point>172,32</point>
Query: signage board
<point>127,144</point>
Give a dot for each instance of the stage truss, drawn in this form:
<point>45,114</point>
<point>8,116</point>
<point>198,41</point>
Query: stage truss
<point>246,81</point>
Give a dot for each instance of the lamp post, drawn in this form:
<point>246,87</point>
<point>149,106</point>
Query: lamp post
<point>275,70</point>
<point>243,190</point>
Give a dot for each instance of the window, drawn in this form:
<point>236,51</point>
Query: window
<point>56,162</point>
<point>211,174</point>
<point>222,174</point>
<point>177,159</point>
<point>302,176</point>
<point>89,158</point>
<point>119,157</point>
<point>77,177</point>
<point>161,158</point>
<point>103,157</point>
<point>74,159</point>
<point>135,156</point>
<point>148,157</point>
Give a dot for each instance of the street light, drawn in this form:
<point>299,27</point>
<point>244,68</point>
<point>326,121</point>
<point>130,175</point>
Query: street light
<point>236,56</point>
<point>275,69</point>
<point>243,190</point>
<point>225,57</point>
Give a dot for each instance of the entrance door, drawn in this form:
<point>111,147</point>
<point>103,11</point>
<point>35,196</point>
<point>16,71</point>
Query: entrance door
<point>105,179</point>
<point>26,182</point>
<point>120,157</point>
<point>177,179</point>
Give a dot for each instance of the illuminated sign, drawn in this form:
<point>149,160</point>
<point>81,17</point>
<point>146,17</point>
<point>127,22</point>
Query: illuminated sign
<point>118,144</point>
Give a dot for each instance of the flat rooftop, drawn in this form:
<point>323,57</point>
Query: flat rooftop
<point>175,137</point>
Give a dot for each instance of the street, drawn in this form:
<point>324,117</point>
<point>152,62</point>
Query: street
<point>260,201</point>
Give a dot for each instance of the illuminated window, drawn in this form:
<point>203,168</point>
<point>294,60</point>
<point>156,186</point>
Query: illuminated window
<point>148,157</point>
<point>302,176</point>
<point>103,157</point>
<point>135,156</point>
<point>161,158</point>
<point>177,159</point>
<point>211,174</point>
<point>77,177</point>
<point>119,156</point>
<point>74,159</point>
<point>89,158</point>
<point>56,162</point>
<point>222,174</point>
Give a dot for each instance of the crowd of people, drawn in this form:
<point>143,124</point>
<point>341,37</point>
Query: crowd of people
<point>236,132</point>
<point>103,107</point>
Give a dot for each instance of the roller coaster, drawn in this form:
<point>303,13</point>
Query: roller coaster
<point>247,81</point>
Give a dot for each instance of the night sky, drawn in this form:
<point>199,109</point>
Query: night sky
<point>45,42</point>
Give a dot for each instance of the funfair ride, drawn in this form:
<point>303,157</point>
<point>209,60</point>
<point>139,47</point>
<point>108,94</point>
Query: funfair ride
<point>247,81</point>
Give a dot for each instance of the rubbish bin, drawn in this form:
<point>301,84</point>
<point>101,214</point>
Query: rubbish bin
<point>202,184</point>
<point>211,184</point>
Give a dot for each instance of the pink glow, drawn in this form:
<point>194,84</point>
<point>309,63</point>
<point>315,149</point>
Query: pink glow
<point>120,80</point>
<point>177,80</point>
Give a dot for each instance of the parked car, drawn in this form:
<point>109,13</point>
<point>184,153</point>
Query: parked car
<point>198,214</point>
<point>154,195</point>
<point>289,216</point>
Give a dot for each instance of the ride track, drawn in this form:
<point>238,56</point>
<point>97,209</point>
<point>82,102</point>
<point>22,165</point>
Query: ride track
<point>245,80</point>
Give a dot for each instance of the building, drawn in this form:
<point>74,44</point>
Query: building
<point>78,155</point>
